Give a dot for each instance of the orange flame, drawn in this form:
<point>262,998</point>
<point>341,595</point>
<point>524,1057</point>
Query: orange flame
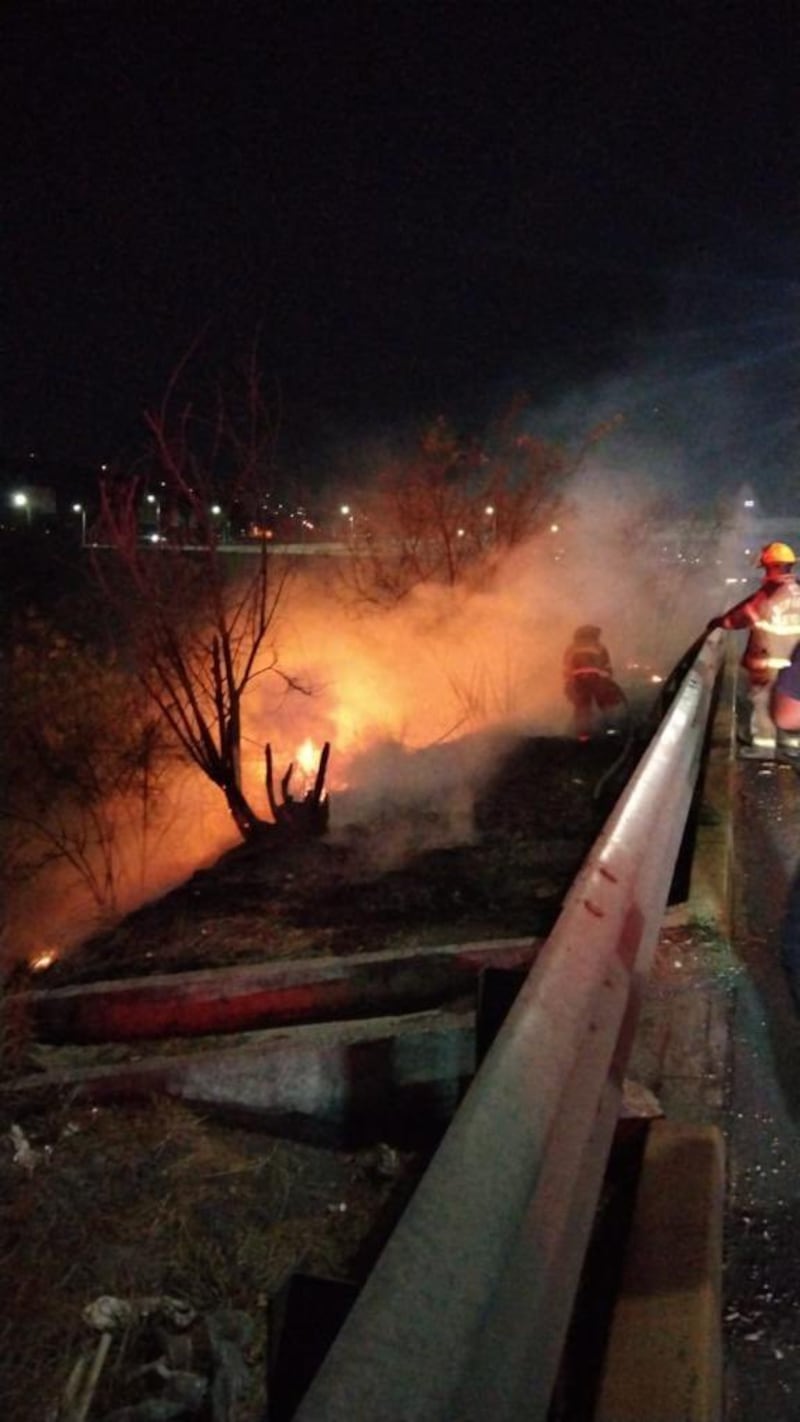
<point>308,757</point>
<point>41,961</point>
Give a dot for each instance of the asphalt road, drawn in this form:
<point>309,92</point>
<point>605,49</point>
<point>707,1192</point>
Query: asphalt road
<point>762,1102</point>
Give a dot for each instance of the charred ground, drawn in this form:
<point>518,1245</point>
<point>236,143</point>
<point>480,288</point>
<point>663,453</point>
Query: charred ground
<point>533,820</point>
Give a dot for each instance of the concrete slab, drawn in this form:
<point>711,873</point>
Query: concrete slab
<point>342,1082</point>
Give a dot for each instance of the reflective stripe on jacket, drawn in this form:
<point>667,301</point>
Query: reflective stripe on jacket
<point>583,658</point>
<point>773,616</point>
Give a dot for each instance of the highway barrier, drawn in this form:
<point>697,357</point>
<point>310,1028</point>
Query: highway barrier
<point>464,1317</point>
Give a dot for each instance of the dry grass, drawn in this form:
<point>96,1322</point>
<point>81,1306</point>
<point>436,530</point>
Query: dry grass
<point>154,1200</point>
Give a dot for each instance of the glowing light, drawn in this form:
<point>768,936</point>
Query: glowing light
<point>345,509</point>
<point>307,757</point>
<point>656,679</point>
<point>489,510</point>
<point>461,533</point>
<point>20,500</point>
<point>215,509</point>
<point>749,503</point>
<point>42,961</point>
<point>555,528</point>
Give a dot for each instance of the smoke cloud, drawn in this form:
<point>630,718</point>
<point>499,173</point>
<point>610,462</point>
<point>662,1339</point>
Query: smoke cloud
<point>419,700</point>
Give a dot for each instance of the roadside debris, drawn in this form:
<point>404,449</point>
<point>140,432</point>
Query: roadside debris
<point>24,1154</point>
<point>193,1361</point>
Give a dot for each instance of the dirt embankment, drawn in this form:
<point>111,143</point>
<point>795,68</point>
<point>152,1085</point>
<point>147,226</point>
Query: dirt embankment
<point>396,882</point>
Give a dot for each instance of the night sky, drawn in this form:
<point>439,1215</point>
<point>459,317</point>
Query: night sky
<point>421,208</point>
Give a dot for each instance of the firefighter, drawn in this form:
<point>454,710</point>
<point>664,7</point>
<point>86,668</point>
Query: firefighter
<point>589,679</point>
<point>772,617</point>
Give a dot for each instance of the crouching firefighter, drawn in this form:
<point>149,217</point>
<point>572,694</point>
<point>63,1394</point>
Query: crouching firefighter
<point>589,680</point>
<point>771,615</point>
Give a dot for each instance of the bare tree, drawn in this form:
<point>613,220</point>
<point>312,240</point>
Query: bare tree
<point>448,504</point>
<point>199,624</point>
<point>85,757</point>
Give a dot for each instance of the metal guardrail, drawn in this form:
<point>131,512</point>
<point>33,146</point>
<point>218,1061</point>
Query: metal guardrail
<point>463,1319</point>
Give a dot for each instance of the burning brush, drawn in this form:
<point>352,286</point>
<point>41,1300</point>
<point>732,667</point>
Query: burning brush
<point>310,815</point>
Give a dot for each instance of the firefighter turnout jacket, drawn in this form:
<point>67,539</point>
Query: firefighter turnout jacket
<point>586,657</point>
<point>772,615</point>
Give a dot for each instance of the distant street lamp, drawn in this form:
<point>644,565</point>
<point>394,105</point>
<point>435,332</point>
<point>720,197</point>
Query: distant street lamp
<point>216,512</point>
<point>491,513</point>
<point>79,509</point>
<point>21,501</point>
<point>151,499</point>
<point>347,513</point>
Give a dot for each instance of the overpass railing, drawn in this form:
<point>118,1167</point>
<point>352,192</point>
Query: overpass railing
<point>463,1319</point>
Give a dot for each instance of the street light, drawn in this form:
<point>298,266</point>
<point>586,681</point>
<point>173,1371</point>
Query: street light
<point>151,499</point>
<point>216,513</point>
<point>79,509</point>
<point>21,501</point>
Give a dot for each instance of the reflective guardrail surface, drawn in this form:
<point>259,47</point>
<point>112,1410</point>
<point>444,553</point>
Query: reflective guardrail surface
<point>465,1314</point>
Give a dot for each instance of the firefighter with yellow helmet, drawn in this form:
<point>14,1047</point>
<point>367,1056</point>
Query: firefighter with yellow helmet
<point>771,615</point>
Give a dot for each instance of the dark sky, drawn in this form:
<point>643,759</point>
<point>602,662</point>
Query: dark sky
<point>422,207</point>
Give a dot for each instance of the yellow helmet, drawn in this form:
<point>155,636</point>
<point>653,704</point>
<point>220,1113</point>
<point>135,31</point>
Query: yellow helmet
<point>776,553</point>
